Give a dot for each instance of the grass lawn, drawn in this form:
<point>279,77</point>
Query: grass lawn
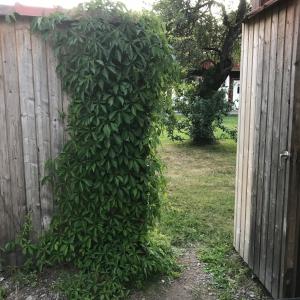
<point>230,122</point>
<point>200,206</point>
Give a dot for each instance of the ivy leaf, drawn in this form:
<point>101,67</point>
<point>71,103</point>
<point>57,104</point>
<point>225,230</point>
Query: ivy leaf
<point>106,130</point>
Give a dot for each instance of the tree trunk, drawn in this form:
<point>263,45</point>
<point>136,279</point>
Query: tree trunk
<point>216,76</point>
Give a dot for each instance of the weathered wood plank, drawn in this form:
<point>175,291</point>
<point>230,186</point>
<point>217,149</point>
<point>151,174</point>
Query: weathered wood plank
<point>271,194</point>
<point>255,120</point>
<point>269,228</point>
<point>275,208</point>
<point>239,147</point>
<point>55,104</point>
<point>264,154</point>
<point>252,110</point>
<point>256,185</point>
<point>246,138</point>
<point>6,211</point>
<point>27,101</point>
<point>242,112</point>
<point>14,130</point>
<point>40,77</point>
<point>283,146</point>
<point>291,229</point>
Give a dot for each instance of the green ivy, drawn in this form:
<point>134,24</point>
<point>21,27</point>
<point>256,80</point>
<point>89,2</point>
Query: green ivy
<point>116,66</point>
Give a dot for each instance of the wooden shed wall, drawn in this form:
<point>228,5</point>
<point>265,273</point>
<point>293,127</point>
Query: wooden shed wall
<point>264,209</point>
<point>31,127</point>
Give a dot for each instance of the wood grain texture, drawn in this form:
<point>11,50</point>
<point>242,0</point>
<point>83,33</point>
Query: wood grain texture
<point>268,197</point>
<point>255,205</point>
<point>42,113</point>
<point>14,128</point>
<point>255,119</point>
<point>283,146</point>
<point>27,101</point>
<point>270,203</point>
<point>238,162</point>
<point>6,211</point>
<point>247,141</point>
<point>242,113</point>
<point>247,107</point>
<point>252,115</point>
<point>291,215</point>
<point>264,56</point>
<point>32,129</point>
<point>55,104</point>
<point>264,156</point>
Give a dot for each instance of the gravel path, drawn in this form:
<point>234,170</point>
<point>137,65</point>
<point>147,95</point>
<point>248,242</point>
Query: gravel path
<point>191,285</point>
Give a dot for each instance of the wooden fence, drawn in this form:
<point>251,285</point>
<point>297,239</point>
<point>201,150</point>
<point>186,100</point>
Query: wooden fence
<point>267,193</point>
<point>31,127</point>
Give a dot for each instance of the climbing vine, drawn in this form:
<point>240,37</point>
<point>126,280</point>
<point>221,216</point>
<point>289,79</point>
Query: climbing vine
<point>116,67</point>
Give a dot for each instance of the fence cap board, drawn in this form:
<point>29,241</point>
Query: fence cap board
<point>261,9</point>
<point>28,11</point>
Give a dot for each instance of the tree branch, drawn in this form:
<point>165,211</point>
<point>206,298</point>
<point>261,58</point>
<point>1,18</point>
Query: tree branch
<point>212,49</point>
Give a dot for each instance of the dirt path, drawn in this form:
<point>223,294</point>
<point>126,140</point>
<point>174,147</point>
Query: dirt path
<point>191,285</point>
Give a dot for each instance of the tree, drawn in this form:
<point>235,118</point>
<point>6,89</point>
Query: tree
<point>201,31</point>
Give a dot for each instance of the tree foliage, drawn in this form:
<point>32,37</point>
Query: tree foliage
<point>203,31</point>
<point>116,66</point>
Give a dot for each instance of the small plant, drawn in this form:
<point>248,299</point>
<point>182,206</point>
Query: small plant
<point>2,293</point>
<point>22,278</point>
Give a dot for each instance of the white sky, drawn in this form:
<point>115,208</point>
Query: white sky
<point>131,4</point>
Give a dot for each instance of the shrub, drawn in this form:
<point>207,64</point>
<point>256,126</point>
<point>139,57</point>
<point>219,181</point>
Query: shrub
<point>206,113</point>
<point>200,115</point>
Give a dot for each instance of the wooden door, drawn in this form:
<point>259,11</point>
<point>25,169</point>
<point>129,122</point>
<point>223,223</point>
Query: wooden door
<point>267,158</point>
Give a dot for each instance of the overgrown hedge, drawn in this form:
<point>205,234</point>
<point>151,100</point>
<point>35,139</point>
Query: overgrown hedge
<point>116,66</point>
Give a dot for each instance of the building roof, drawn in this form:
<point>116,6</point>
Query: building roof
<point>29,11</point>
<point>262,7</point>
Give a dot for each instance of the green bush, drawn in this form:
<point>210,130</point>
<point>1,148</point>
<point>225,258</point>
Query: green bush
<point>200,115</point>
<point>116,66</point>
<point>205,114</point>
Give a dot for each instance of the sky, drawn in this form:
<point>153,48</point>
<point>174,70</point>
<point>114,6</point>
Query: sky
<point>131,4</point>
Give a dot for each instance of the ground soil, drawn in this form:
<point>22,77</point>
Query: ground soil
<point>193,283</point>
<point>33,288</point>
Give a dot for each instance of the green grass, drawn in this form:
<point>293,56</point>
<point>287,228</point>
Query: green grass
<point>231,122</point>
<point>200,206</point>
<point>197,180</point>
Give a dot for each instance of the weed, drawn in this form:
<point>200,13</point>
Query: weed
<point>22,278</point>
<point>2,293</point>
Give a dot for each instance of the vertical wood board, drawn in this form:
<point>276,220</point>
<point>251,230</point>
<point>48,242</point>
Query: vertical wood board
<point>267,216</point>
<point>40,77</point>
<point>32,129</point>
<point>27,101</point>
